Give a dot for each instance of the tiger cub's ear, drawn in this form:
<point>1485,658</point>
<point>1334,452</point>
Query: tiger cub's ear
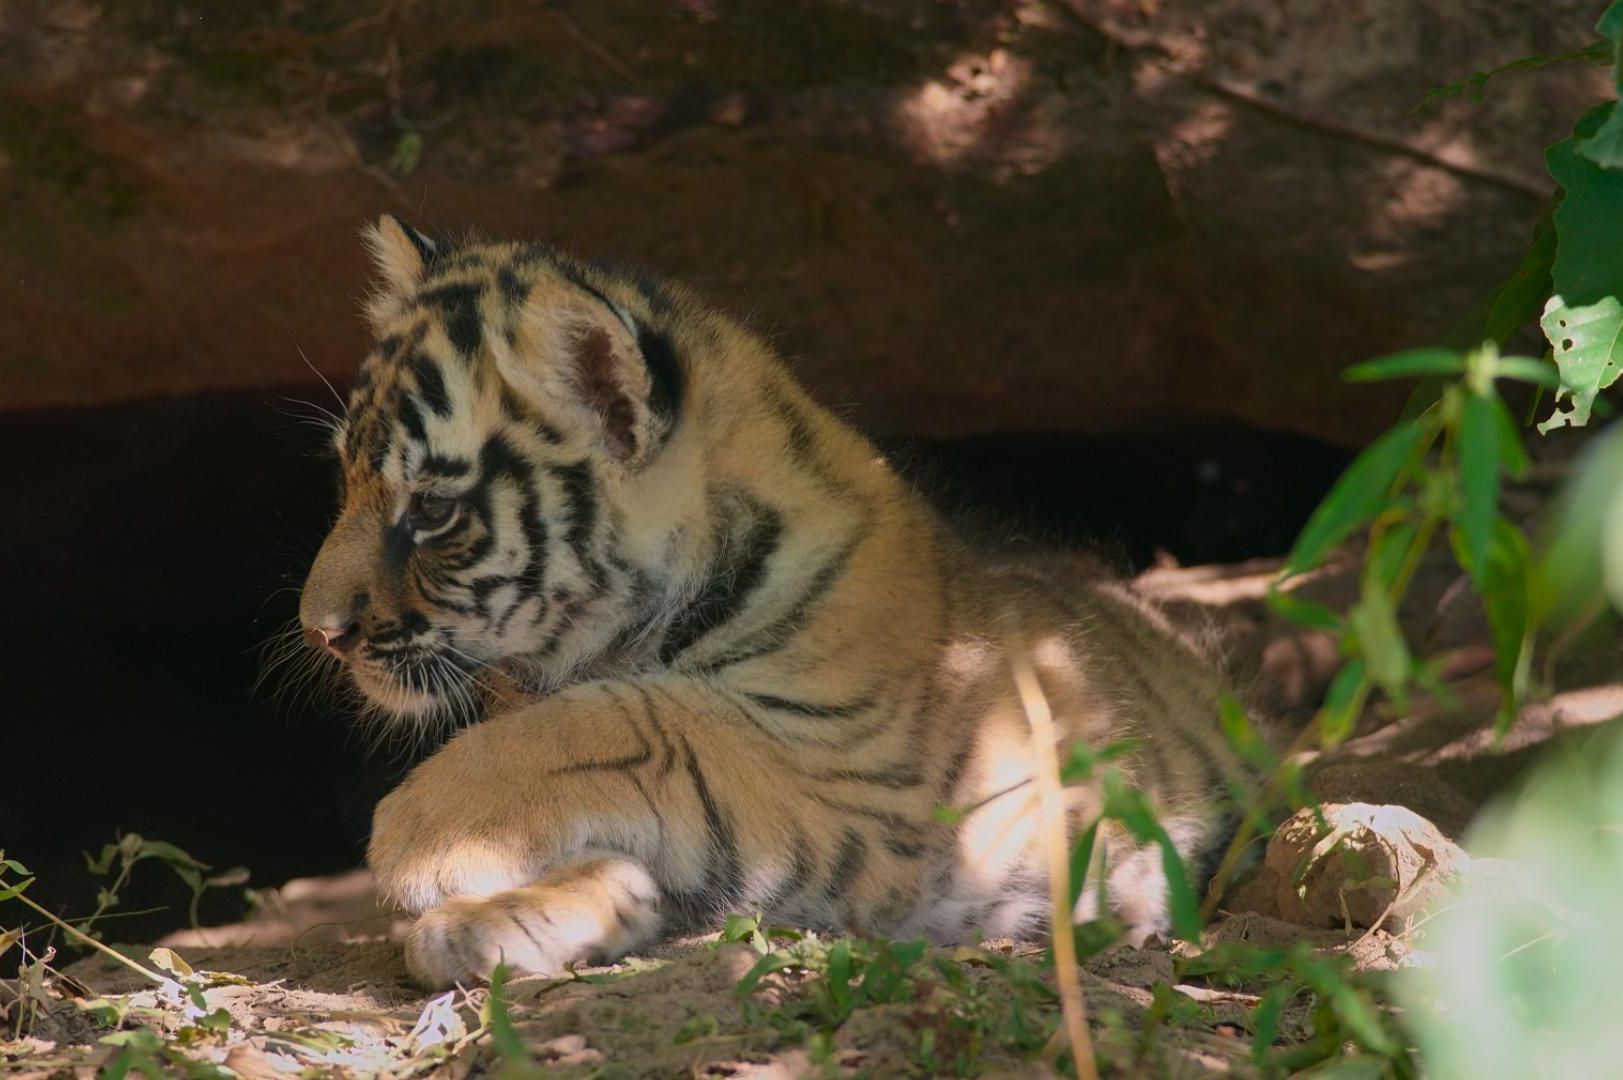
<point>580,356</point>
<point>402,256</point>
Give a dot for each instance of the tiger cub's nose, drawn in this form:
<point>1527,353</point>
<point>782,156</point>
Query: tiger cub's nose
<point>334,638</point>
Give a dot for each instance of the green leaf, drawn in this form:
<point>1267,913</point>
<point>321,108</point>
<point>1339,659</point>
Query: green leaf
<point>1354,1010</point>
<point>1082,861</point>
<point>1527,369</point>
<point>1587,343</point>
<point>766,965</point>
<point>1388,551</point>
<point>1130,807</point>
<point>169,853</point>
<point>1096,935</point>
<point>702,1026</point>
<point>1583,319</point>
<point>1610,25</point>
<point>1589,251</point>
<point>101,865</point>
<point>11,891</point>
<point>1078,766</point>
<point>408,150</point>
<point>739,927</point>
<point>1265,1020</point>
<point>1520,297</point>
<point>1308,613</point>
<point>1407,365</point>
<point>1381,643</point>
<point>1507,599</point>
<point>839,975</point>
<point>1479,458</point>
<point>1357,496</point>
<point>1243,736</point>
<point>1512,454</point>
<point>14,866</point>
<point>504,1038</point>
<point>1605,146</point>
<point>1582,559</point>
<point>1342,702</point>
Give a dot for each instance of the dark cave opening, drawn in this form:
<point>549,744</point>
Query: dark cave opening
<point>155,546</point>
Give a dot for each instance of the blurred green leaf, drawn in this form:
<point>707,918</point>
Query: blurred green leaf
<point>1506,596</point>
<point>766,965</point>
<point>1389,551</point>
<point>1308,613</point>
<point>1582,556</point>
<point>1265,1020</point>
<point>1479,459</point>
<point>1381,643</point>
<point>1356,497</point>
<point>1342,702</point>
<point>1131,807</point>
<point>504,1038</point>
<point>1082,861</point>
<point>1526,369</point>
<point>1512,454</point>
<point>1409,364</point>
<point>11,891</point>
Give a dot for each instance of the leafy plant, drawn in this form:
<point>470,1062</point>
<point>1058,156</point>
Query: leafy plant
<point>818,985</point>
<point>120,859</point>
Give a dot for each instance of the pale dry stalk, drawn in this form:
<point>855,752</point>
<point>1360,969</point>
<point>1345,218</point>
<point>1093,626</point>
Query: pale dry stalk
<point>1052,801</point>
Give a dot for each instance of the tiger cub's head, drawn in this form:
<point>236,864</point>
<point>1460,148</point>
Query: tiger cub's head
<point>488,455</point>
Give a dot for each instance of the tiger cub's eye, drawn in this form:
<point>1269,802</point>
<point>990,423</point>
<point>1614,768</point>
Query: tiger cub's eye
<point>426,512</point>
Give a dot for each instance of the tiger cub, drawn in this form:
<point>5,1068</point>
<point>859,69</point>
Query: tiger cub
<point>730,660</point>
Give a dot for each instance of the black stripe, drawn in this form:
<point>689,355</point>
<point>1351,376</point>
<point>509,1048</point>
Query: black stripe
<point>436,464</point>
<point>724,875</point>
<point>894,777</point>
<point>816,709</point>
<point>577,484</point>
<point>460,305</point>
<point>779,633</point>
<point>426,248</point>
<point>411,418</point>
<point>730,582</point>
<point>664,374</point>
<point>848,862</point>
<point>800,871</point>
<point>431,384</point>
<point>514,288</point>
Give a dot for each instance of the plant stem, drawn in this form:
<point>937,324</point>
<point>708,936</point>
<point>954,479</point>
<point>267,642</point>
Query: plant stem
<point>94,944</point>
<point>1066,973</point>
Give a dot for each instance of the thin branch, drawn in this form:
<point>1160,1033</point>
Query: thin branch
<point>1308,119</point>
<point>94,944</point>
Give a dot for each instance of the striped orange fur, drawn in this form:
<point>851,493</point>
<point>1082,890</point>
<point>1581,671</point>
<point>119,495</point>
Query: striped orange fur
<point>721,655</point>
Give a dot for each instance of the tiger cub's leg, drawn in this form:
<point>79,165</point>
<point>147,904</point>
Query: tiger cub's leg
<point>596,909</point>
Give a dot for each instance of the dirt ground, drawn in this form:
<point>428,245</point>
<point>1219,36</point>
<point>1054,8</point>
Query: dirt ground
<point>348,1008</point>
<point>315,985</point>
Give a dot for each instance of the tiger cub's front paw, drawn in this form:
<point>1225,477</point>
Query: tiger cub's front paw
<point>596,910</point>
<point>424,852</point>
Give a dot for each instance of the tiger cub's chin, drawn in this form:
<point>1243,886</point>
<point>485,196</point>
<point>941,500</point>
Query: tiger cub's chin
<point>768,661</point>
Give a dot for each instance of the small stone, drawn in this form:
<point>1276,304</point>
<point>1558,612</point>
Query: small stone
<point>1373,866</point>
